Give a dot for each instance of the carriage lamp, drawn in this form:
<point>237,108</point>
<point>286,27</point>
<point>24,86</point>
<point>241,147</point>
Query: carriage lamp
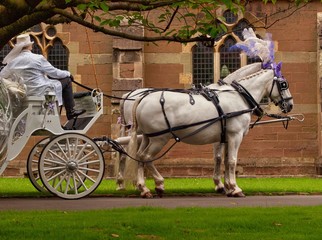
<point>50,97</point>
<point>49,101</point>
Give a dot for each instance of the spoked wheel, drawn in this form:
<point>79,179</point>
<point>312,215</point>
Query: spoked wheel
<point>71,166</point>
<point>32,165</point>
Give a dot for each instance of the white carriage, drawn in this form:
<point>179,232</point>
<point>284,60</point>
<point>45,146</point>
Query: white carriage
<point>65,161</point>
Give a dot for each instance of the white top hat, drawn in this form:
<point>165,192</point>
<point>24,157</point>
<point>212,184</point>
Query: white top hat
<point>22,41</point>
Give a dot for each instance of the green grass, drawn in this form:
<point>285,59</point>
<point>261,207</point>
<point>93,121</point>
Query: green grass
<point>10,187</point>
<point>247,223</point>
<point>158,223</point>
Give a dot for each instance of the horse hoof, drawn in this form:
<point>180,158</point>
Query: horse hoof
<point>147,195</point>
<point>221,190</point>
<point>159,192</point>
<point>236,195</point>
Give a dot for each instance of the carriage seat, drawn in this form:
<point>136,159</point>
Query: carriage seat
<point>83,100</point>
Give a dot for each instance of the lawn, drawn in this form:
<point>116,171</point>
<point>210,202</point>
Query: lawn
<point>11,187</point>
<point>160,223</point>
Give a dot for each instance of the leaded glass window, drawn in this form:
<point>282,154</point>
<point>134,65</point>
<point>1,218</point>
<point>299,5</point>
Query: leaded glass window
<point>229,59</point>
<point>203,64</point>
<point>58,55</point>
<point>35,47</point>
<point>3,53</point>
<point>230,17</point>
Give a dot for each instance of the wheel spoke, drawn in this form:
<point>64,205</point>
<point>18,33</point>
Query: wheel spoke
<point>87,176</point>
<point>86,156</point>
<point>81,181</point>
<point>54,154</point>
<point>54,162</point>
<point>75,184</point>
<point>88,162</point>
<point>67,184</point>
<point>32,164</point>
<point>89,169</point>
<point>71,166</point>
<point>80,153</point>
<point>61,150</point>
<point>56,175</point>
<point>59,184</point>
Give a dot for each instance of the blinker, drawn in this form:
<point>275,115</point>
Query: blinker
<point>283,85</point>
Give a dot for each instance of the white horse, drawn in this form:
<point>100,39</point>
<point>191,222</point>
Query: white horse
<point>126,106</point>
<point>223,116</point>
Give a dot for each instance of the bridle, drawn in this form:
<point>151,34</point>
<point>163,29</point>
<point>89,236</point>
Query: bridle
<point>282,85</point>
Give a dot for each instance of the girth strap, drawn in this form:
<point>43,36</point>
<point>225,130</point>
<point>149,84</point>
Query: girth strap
<point>162,102</point>
<point>212,96</point>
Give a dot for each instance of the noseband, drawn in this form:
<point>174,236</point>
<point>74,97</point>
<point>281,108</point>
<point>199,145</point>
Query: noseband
<point>282,85</point>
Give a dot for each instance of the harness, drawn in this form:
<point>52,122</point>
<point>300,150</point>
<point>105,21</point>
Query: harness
<point>210,95</point>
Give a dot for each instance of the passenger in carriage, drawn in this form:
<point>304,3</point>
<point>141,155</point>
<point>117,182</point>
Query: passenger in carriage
<point>39,75</point>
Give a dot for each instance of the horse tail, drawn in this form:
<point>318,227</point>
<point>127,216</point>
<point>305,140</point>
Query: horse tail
<point>131,165</point>
<point>121,133</point>
<point>119,165</point>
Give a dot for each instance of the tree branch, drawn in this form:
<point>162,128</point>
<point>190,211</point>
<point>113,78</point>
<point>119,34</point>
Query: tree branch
<point>122,34</point>
<point>20,25</point>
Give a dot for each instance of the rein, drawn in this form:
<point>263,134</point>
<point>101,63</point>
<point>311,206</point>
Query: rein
<point>144,93</point>
<point>105,95</point>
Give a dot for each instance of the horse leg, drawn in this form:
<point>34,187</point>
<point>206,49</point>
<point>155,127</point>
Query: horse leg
<point>145,192</point>
<point>120,173</point>
<point>219,149</point>
<point>146,154</point>
<point>121,158</point>
<point>158,179</point>
<point>230,167</point>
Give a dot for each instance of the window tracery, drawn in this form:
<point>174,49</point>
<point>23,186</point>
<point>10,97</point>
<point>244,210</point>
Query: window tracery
<point>47,43</point>
<point>224,59</point>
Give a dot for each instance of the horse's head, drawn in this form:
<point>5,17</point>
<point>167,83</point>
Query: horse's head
<point>280,93</point>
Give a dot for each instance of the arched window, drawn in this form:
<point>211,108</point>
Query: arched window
<point>229,59</point>
<point>203,64</point>
<point>210,64</point>
<point>46,43</point>
<point>58,55</point>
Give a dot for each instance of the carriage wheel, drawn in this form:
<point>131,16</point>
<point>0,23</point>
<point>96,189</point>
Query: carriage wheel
<point>71,166</point>
<point>32,165</point>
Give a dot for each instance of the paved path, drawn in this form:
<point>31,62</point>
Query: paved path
<point>92,203</point>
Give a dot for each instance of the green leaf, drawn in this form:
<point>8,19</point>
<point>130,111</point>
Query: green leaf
<point>82,7</point>
<point>104,6</point>
<point>97,18</point>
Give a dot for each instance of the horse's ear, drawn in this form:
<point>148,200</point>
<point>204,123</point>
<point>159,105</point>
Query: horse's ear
<point>279,66</point>
<point>278,72</point>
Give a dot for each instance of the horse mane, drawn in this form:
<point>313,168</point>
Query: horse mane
<point>243,72</point>
<point>251,76</point>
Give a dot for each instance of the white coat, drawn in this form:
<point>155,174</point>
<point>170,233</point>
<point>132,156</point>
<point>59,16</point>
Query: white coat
<point>35,70</point>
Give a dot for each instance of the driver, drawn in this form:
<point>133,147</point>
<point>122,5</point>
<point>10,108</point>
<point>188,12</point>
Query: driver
<point>39,75</point>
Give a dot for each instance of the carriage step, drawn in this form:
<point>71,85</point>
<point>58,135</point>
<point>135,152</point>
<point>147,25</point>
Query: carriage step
<point>77,124</point>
